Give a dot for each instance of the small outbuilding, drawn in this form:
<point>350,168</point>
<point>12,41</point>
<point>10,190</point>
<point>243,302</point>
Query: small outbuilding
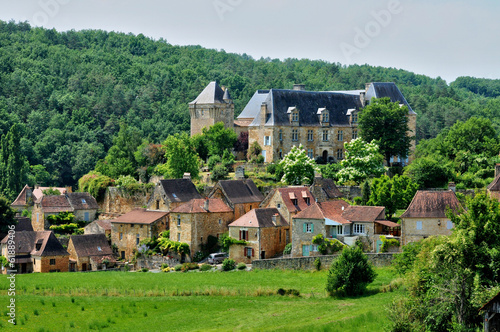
<point>491,319</point>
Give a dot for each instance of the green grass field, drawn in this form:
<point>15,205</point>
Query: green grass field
<point>239,300</point>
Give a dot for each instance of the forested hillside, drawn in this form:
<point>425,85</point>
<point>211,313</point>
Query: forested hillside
<point>69,91</point>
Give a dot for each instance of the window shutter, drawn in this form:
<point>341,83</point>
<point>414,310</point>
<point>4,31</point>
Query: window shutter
<point>244,251</point>
<point>305,227</point>
<point>253,252</point>
<point>312,228</point>
<point>240,235</point>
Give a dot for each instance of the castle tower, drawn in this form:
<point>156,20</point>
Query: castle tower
<point>214,104</point>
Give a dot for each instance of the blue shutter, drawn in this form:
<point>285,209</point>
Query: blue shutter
<point>312,228</point>
<point>304,227</point>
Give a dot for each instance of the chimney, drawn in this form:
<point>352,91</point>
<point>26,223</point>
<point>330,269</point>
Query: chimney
<point>239,173</point>
<point>452,186</point>
<point>205,206</point>
<point>497,170</point>
<point>274,218</point>
<point>362,98</point>
<point>263,114</point>
<point>299,87</point>
<point>367,85</point>
<point>187,175</point>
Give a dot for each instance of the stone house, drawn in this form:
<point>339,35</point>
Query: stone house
<point>491,316</point>
<point>128,230</point>
<point>169,194</point>
<point>322,121</point>
<point>98,227</point>
<point>27,197</point>
<point>195,221</point>
<point>240,195</point>
<point>87,252</point>
<point>37,252</point>
<point>324,189</point>
<point>494,187</point>
<point>265,232</point>
<point>289,201</point>
<point>82,205</point>
<point>426,215</point>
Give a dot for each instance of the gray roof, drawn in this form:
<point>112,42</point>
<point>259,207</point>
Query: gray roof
<point>180,190</point>
<point>213,93</point>
<point>240,191</point>
<point>308,103</point>
<point>23,224</point>
<point>26,242</point>
<point>82,201</point>
<point>252,108</point>
<point>380,90</point>
<point>91,245</point>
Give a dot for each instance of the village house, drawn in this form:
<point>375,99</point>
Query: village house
<point>128,230</point>
<point>169,194</point>
<point>491,316</point>
<point>494,187</point>
<point>265,232</point>
<point>37,252</point>
<point>27,197</point>
<point>89,252</point>
<point>98,227</point>
<point>426,215</point>
<point>23,224</point>
<point>322,121</point>
<point>324,189</point>
<point>289,201</point>
<point>195,221</point>
<point>82,205</point>
<point>341,221</point>
<point>240,195</point>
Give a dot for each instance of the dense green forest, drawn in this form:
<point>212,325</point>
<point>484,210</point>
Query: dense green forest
<point>69,91</point>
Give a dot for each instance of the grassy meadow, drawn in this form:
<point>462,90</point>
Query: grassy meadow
<point>238,300</point>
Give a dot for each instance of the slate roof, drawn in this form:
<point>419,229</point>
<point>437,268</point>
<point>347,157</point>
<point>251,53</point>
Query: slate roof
<point>180,190</point>
<point>388,89</point>
<point>240,191</point>
<point>328,186</point>
<point>212,93</point>
<point>495,185</point>
<point>140,216</point>
<point>198,206</point>
<point>364,213</point>
<point>49,245</point>
<point>298,193</point>
<point>23,224</point>
<point>22,198</point>
<point>252,108</point>
<point>91,245</point>
<point>82,201</point>
<point>262,217</point>
<point>432,204</point>
<point>53,204</point>
<point>308,103</point>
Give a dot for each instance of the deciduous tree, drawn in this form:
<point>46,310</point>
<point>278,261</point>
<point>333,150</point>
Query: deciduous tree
<point>298,168</point>
<point>362,160</point>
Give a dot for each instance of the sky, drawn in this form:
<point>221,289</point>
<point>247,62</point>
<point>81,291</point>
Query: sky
<point>445,38</point>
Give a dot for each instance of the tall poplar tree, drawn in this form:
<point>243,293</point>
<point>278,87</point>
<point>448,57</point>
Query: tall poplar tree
<point>13,164</point>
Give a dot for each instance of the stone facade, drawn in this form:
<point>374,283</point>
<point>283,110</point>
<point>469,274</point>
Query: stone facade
<point>194,228</point>
<point>120,201</point>
<point>301,238</point>
<point>45,264</point>
<point>427,227</point>
<point>239,208</point>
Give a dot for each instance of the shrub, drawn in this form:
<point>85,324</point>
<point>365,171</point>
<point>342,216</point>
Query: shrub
<point>164,266</point>
<point>386,243</point>
<point>317,264</point>
<point>144,269</point>
<point>198,256</point>
<point>350,273</point>
<point>166,269</point>
<point>95,183</point>
<point>189,266</point>
<point>213,161</point>
<point>228,264</point>
<point>219,173</point>
<point>206,267</point>
<point>288,249</point>
<point>241,266</point>
<point>291,291</point>
<point>178,267</point>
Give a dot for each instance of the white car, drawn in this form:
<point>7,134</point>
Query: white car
<point>217,258</point>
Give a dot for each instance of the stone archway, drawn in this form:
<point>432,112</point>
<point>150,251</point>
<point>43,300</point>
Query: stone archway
<point>325,156</point>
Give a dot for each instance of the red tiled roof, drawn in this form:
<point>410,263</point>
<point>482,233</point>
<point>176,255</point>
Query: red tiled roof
<point>388,223</point>
<point>432,204</point>
<point>356,213</point>
<point>260,218</point>
<point>288,193</point>
<point>51,204</point>
<point>198,206</point>
<point>140,216</point>
<point>38,192</point>
<point>332,210</point>
<point>495,185</point>
<point>21,199</point>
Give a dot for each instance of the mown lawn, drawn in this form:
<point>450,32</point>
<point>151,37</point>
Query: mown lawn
<point>237,300</point>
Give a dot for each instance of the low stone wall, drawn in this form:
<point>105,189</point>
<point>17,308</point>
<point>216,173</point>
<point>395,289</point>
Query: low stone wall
<point>307,263</point>
<point>155,262</point>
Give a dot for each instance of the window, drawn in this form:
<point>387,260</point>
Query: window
<point>295,135</point>
<point>220,221</point>
<point>315,247</point>
<point>308,201</point>
<point>279,232</point>
<point>86,216</point>
<point>178,220</point>
<point>308,227</point>
<point>267,140</point>
<point>52,261</point>
<point>340,154</point>
<point>354,118</point>
<point>248,252</point>
<point>157,204</point>
<point>137,240</point>
<point>121,236</point>
<point>325,116</point>
<point>295,116</point>
<point>278,206</point>
<point>419,225</point>
<point>178,237</point>
<point>340,230</point>
<point>244,234</point>
<point>281,154</point>
<point>359,229</point>
<point>99,248</point>
<point>340,135</point>
<point>280,135</point>
<point>310,153</point>
<point>354,134</point>
<point>310,136</point>
<point>325,135</point>
<point>449,224</point>
<point>294,201</point>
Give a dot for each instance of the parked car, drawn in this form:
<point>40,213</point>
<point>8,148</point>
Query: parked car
<point>217,258</point>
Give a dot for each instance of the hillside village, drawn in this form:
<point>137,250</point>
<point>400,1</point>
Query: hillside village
<point>282,222</point>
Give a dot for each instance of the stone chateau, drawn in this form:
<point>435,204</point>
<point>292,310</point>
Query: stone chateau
<point>322,121</point>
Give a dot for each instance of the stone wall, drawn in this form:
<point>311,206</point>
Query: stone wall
<point>154,262</point>
<point>307,263</point>
<point>121,201</point>
<point>350,191</point>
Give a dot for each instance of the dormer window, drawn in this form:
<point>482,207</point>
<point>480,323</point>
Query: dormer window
<point>353,115</point>
<point>294,114</point>
<point>323,116</point>
<point>354,118</point>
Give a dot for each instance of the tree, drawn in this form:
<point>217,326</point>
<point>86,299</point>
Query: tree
<point>13,164</point>
<point>362,160</point>
<point>350,273</point>
<point>387,124</point>
<point>254,151</point>
<point>428,172</point>
<point>298,168</point>
<point>7,216</point>
<point>392,193</point>
<point>219,139</point>
<point>181,157</point>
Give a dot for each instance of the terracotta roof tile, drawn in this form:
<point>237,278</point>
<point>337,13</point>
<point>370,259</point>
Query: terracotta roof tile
<point>287,193</point>
<point>140,216</point>
<point>24,197</point>
<point>332,210</point>
<point>91,245</point>
<point>198,206</point>
<point>364,213</point>
<point>432,204</point>
<point>82,201</point>
<point>54,203</point>
<point>49,245</point>
<point>260,218</point>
